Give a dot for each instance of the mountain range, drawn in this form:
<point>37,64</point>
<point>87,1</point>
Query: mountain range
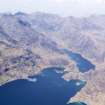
<point>31,42</point>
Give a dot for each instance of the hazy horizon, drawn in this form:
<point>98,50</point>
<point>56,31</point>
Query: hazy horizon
<point>77,8</point>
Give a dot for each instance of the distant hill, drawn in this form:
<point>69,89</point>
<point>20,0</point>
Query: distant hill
<point>84,35</point>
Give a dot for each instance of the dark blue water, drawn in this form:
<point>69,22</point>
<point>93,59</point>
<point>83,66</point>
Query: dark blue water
<point>49,89</point>
<point>82,63</point>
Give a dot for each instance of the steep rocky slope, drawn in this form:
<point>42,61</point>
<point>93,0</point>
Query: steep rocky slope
<point>84,35</point>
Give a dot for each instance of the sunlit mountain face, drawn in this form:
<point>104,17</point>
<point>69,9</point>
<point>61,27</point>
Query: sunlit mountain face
<point>43,55</point>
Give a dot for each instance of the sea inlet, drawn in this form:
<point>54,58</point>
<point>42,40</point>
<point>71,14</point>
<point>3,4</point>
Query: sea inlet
<point>83,64</point>
<point>49,88</point>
